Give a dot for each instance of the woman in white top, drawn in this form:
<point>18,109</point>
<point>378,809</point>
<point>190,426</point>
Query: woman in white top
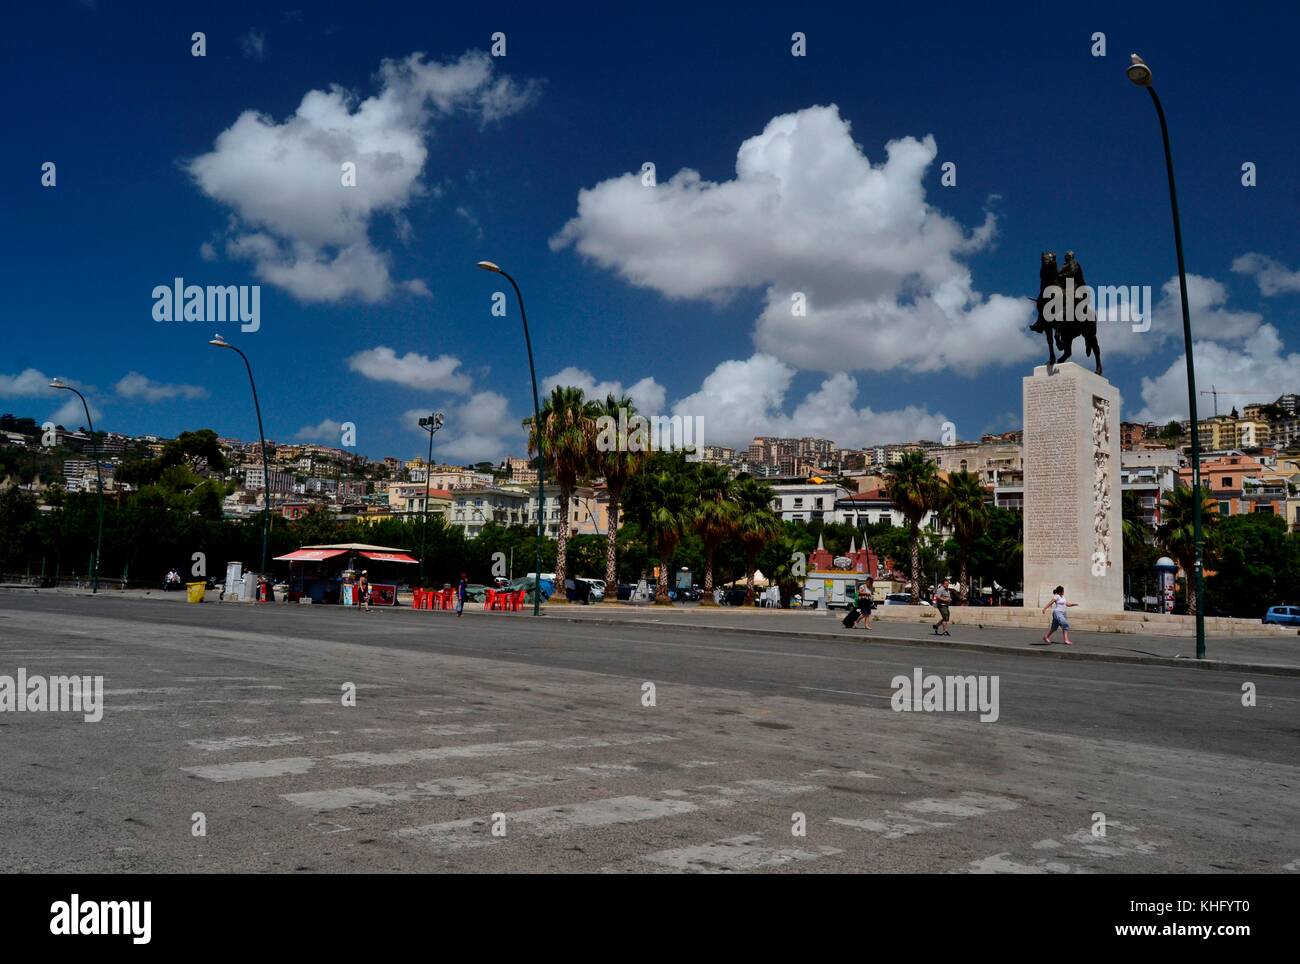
<point>1058,606</point>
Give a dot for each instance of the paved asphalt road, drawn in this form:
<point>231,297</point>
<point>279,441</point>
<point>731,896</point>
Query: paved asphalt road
<point>537,728</point>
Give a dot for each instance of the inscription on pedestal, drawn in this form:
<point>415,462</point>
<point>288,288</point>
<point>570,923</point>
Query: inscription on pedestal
<point>1053,504</point>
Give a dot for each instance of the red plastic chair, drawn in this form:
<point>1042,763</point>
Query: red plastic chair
<point>489,600</point>
<point>417,597</point>
<point>517,599</point>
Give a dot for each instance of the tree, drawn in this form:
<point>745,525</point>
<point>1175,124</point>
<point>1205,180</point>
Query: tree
<point>715,517</point>
<point>756,524</point>
<point>567,433</point>
<point>659,501</point>
<point>1139,548</point>
<point>914,488</point>
<point>1257,565</point>
<point>963,509</point>
<point>1176,533</point>
<point>618,466</point>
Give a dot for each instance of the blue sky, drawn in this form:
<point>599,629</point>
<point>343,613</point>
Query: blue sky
<point>216,170</point>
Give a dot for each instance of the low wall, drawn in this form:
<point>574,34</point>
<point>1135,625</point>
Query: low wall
<point>1155,624</point>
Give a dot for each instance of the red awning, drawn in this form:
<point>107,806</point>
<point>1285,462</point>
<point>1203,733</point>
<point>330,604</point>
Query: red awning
<point>310,555</point>
<point>389,557</point>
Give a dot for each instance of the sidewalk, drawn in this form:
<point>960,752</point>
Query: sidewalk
<point>1277,653</point>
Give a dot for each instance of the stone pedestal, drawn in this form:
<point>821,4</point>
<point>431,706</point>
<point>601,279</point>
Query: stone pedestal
<point>1073,525</point>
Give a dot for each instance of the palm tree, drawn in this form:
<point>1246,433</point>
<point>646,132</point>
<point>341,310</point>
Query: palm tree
<point>714,518</point>
<point>963,509</point>
<point>659,500</point>
<point>756,524</point>
<point>568,432</point>
<point>1176,533</point>
<point>913,486</point>
<point>618,466</point>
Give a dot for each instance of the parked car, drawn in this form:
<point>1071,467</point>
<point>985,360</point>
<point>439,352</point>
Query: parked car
<point>1283,616</point>
<point>901,599</point>
<point>736,596</point>
<point>595,586</point>
<point>625,590</point>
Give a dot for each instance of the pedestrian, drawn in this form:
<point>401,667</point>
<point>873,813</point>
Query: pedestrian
<point>461,591</point>
<point>1058,606</point>
<point>866,602</point>
<point>363,590</point>
<point>942,599</point>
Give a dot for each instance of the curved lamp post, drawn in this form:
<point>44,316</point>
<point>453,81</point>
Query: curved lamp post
<point>1140,74</point>
<point>99,482</point>
<point>430,424</point>
<point>537,430</point>
<point>219,342</point>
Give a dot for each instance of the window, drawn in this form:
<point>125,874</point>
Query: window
<point>1225,508</point>
<point>1264,507</point>
<point>1226,482</point>
<point>798,503</point>
<point>819,503</point>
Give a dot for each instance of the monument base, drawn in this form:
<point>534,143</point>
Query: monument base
<point>1073,525</point>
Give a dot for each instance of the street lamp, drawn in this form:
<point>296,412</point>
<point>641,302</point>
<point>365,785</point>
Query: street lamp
<point>537,431</point>
<point>99,482</point>
<point>219,342</point>
<point>1140,74</point>
<point>430,424</point>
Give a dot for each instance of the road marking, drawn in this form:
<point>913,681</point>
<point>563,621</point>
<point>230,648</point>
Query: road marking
<point>734,855</point>
<point>462,729</point>
<point>544,821</point>
<point>258,769</point>
<point>897,825</point>
<point>1003,864</point>
<point>253,769</point>
<point>455,835</point>
<point>874,696</point>
<point>241,742</point>
<point>479,750</point>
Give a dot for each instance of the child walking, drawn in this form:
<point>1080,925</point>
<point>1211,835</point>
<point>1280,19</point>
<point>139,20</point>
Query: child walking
<point>1058,606</point>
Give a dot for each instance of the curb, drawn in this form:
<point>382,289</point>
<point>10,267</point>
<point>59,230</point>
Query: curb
<point>1271,669</point>
<point>996,649</point>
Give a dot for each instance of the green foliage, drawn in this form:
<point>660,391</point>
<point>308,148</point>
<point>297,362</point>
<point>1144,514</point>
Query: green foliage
<point>1257,565</point>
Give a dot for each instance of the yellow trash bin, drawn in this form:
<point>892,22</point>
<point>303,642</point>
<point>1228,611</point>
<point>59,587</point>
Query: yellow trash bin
<point>194,591</point>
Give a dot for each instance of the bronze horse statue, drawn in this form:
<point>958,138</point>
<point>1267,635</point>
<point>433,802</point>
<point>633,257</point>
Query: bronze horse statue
<point>1054,285</point>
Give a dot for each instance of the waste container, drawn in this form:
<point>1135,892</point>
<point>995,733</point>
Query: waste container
<point>194,591</point>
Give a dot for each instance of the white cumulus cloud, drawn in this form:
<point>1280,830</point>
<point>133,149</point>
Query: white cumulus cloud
<point>647,394</point>
<point>743,398</point>
<point>1258,370</point>
<point>293,217</point>
<point>809,217</point>
<point>480,429</point>
<point>140,388</point>
<point>326,428</point>
<point>413,370</point>
<point>1272,277</point>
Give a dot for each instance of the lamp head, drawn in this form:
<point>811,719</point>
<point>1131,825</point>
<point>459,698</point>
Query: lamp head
<point>218,341</point>
<point>490,266</point>
<point>56,383</point>
<point>1138,71</point>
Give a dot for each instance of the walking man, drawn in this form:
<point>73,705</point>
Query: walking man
<point>363,590</point>
<point>942,599</point>
<point>1058,605</point>
<point>461,589</point>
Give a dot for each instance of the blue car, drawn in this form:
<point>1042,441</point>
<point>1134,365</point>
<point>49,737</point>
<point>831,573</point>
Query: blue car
<point>1283,616</point>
